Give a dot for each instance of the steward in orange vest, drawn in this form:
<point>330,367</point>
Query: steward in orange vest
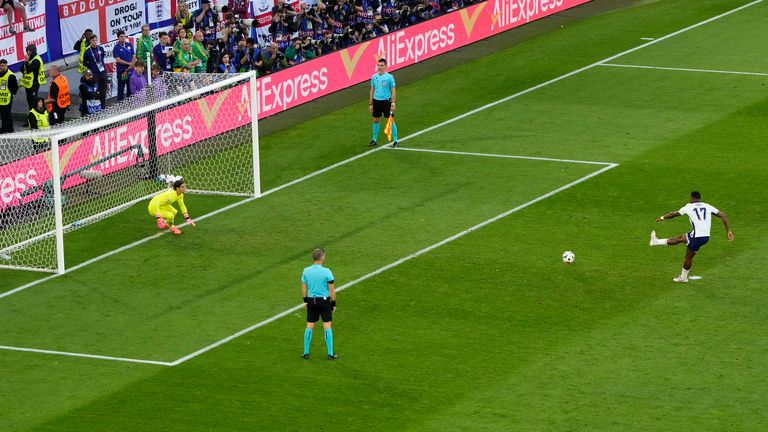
<point>58,98</point>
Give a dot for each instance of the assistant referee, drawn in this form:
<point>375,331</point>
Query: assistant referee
<point>381,100</point>
<point>320,300</point>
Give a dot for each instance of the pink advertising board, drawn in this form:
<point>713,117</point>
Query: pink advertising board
<point>308,81</point>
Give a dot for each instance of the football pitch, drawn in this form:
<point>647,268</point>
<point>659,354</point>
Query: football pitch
<point>455,311</point>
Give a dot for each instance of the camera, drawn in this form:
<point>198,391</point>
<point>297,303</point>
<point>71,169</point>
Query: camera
<point>311,12</point>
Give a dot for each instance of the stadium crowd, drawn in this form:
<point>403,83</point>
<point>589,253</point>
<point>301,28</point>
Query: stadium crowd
<point>211,40</point>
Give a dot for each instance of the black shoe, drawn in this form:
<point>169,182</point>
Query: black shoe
<point>332,357</point>
<point>305,356</point>
<point>373,143</point>
<point>395,145</point>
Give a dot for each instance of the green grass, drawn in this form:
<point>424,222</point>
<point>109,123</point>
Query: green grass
<point>488,332</point>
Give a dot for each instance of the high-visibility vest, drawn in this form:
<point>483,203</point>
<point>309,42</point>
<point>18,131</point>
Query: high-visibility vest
<point>42,123</point>
<point>5,92</point>
<point>28,78</point>
<point>62,100</point>
<point>81,66</point>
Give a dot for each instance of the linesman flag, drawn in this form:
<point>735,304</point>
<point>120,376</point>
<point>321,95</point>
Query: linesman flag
<point>388,127</point>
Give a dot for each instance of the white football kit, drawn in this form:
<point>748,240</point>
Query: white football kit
<point>700,214</point>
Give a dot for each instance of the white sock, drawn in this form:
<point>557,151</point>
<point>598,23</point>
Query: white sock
<point>684,274</point>
<point>660,242</point>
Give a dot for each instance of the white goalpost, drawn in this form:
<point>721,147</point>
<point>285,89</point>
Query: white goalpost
<point>202,127</point>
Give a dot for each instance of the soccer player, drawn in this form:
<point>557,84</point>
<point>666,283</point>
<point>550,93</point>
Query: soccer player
<point>382,99</point>
<point>319,300</point>
<point>161,207</point>
<point>700,215</point>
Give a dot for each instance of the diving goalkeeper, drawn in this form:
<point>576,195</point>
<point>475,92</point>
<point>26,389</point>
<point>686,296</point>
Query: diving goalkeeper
<point>162,207</point>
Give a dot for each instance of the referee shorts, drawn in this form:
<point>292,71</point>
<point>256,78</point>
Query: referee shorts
<point>382,108</point>
<point>319,307</point>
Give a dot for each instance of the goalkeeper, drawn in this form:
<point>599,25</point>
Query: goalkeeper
<point>162,207</point>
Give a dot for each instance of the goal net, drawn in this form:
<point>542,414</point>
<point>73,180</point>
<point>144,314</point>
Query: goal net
<point>200,127</point>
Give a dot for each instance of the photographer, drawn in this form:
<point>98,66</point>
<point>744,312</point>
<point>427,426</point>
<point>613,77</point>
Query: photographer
<point>273,60</point>
<point>205,20</point>
<point>231,35</point>
<point>365,10</point>
<point>378,27</point>
<point>282,7</point>
<point>251,60</point>
<point>388,13</point>
<point>281,29</point>
<point>308,22</point>
<point>214,55</point>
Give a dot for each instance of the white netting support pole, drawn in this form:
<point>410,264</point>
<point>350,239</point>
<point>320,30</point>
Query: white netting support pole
<point>148,71</point>
<point>255,137</point>
<point>57,197</point>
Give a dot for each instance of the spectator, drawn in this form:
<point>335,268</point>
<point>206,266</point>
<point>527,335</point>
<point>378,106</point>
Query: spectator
<point>181,37</point>
<point>163,54</point>
<point>185,57</point>
<point>379,27</point>
<point>94,60</point>
<point>58,97</point>
<point>205,20</point>
<point>32,74</point>
<point>80,46</point>
<point>138,79</point>
<point>225,64</point>
<point>308,24</point>
<point>144,45</point>
<point>174,34</point>
<point>19,5</point>
<point>213,57</point>
<point>158,84</point>
<point>125,59</point>
<point>273,59</point>
<point>200,52</point>
<point>90,97</point>
<point>8,88</point>
<point>38,119</point>
<point>183,15</point>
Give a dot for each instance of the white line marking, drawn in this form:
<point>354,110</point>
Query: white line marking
<point>396,263</point>
<point>423,131</point>
<point>684,69</point>
<point>93,356</point>
<point>536,158</point>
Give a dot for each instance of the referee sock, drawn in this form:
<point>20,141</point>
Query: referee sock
<point>307,339</point>
<point>375,131</point>
<point>329,340</point>
<point>394,131</point>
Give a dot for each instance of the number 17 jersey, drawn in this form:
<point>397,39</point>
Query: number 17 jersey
<point>700,215</point>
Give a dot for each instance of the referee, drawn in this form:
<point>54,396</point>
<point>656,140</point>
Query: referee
<point>319,299</point>
<point>382,99</point>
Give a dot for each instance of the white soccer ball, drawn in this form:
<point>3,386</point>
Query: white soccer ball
<point>568,257</point>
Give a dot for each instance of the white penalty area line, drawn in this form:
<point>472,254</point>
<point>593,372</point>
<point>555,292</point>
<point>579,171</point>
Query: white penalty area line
<point>91,356</point>
<point>503,156</point>
<point>630,66</point>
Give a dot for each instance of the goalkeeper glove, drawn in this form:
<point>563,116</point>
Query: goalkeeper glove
<point>161,223</point>
<point>189,219</point>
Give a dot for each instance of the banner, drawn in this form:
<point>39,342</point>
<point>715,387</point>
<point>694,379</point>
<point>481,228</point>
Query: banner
<point>104,17</point>
<point>12,46</point>
<point>176,128</point>
<point>341,69</point>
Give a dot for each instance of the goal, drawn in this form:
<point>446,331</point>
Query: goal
<point>202,127</point>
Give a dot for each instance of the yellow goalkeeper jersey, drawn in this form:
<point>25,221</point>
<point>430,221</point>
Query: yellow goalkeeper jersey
<point>165,199</point>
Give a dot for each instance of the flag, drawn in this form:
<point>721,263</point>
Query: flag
<point>388,127</point>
